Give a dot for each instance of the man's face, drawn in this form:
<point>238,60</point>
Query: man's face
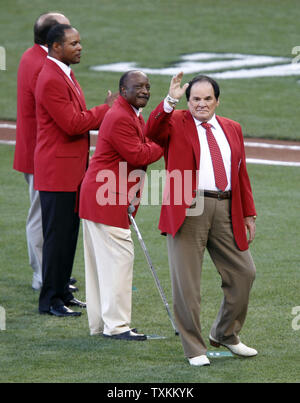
<point>202,103</point>
<point>70,49</point>
<point>137,89</point>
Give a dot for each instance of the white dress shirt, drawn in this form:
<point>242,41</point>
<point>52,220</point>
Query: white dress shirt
<point>206,171</point>
<point>137,111</point>
<point>65,68</point>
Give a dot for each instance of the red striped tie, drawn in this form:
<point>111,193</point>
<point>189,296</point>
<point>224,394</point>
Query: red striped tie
<point>216,157</point>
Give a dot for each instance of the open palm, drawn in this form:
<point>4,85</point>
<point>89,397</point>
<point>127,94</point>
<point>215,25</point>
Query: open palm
<point>175,90</point>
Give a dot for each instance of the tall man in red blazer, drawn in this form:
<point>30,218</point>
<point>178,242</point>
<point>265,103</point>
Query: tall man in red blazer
<point>111,183</point>
<point>60,161</point>
<point>208,152</point>
<point>30,66</point>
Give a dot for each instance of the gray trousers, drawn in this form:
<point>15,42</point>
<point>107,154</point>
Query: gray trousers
<point>211,230</point>
<point>34,233</point>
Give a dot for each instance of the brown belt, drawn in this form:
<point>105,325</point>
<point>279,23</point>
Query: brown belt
<point>218,195</point>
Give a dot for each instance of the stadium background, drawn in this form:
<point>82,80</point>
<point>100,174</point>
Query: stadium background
<point>155,34</point>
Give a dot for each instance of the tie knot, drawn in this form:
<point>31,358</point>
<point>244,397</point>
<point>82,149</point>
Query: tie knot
<point>206,125</point>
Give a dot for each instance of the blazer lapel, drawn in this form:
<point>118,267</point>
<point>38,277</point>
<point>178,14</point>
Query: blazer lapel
<point>79,95</point>
<point>191,131</point>
<point>233,142</point>
<point>139,120</point>
<point>75,87</point>
<point>142,127</point>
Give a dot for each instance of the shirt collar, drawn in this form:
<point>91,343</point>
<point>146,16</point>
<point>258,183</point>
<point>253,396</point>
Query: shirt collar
<point>45,48</point>
<point>137,111</point>
<point>213,121</point>
<point>66,69</point>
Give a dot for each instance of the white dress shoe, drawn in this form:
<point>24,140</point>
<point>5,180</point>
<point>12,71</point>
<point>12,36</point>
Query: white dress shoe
<point>239,349</point>
<point>199,361</point>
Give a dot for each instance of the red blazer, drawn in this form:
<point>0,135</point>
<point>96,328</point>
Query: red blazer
<point>30,66</point>
<point>122,147</point>
<point>179,137</point>
<point>62,149</point>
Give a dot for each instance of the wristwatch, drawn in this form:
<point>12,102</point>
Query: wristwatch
<point>172,101</point>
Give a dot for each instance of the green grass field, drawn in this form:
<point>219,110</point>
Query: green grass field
<point>36,348</point>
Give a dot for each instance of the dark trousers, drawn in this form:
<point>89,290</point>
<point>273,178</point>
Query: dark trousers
<point>60,230</point>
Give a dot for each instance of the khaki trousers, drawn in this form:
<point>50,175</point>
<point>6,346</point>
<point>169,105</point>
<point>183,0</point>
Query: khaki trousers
<point>109,256</point>
<point>211,230</point>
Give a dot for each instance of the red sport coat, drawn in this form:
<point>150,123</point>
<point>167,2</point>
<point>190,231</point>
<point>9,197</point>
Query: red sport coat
<point>179,137</point>
<point>122,147</point>
<point>30,66</point>
<point>62,149</point>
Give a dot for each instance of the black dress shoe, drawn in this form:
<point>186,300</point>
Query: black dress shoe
<point>72,288</point>
<point>75,302</point>
<point>72,280</point>
<point>62,311</point>
<point>129,335</point>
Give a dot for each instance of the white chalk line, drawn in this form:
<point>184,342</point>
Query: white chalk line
<point>8,142</point>
<point>247,144</point>
<point>271,162</point>
<point>7,126</point>
<point>248,160</point>
<point>274,146</point>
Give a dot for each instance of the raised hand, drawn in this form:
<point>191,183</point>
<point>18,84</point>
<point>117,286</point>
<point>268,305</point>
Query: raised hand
<point>109,100</point>
<point>175,91</point>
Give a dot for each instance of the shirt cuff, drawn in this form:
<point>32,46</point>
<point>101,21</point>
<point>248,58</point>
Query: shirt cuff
<point>167,107</point>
